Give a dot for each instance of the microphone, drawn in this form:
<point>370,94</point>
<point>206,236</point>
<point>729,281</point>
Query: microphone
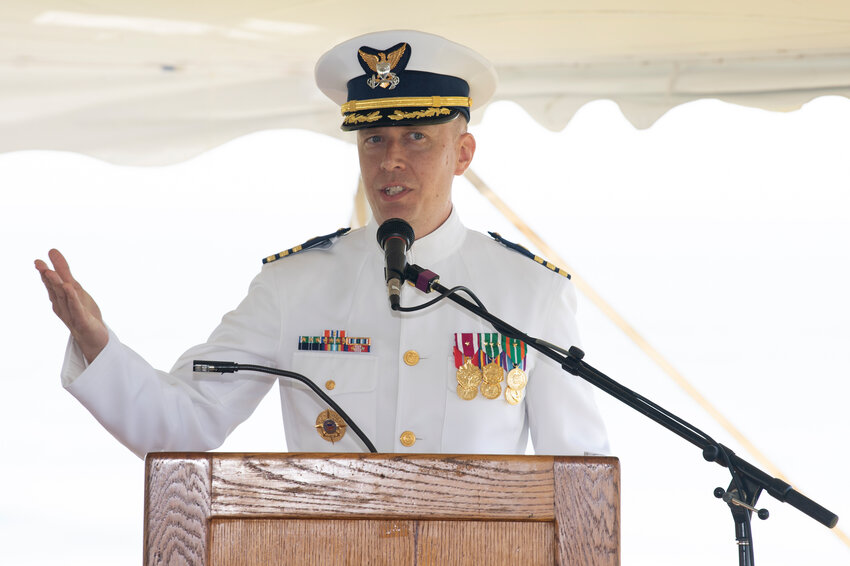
<point>208,366</point>
<point>395,236</point>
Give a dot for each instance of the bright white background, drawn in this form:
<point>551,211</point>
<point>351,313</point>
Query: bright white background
<point>721,234</point>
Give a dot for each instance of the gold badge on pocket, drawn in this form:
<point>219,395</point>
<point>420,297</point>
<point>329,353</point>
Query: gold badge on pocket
<point>330,426</point>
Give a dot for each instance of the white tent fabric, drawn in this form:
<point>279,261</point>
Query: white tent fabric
<point>157,82</point>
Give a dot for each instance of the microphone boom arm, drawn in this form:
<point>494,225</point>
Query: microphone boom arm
<point>208,366</point>
<point>572,362</point>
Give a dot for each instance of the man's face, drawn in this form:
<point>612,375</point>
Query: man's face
<point>408,171</point>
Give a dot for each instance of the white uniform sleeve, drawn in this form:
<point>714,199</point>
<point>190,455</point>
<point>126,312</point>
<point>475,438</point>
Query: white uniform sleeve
<point>150,410</point>
<point>562,412</point>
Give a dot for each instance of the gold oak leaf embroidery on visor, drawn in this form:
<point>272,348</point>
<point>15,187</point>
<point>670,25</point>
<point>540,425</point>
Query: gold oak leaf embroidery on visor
<point>430,113</point>
<point>360,118</point>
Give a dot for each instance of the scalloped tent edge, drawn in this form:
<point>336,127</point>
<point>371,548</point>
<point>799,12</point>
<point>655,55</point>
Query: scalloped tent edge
<point>152,84</point>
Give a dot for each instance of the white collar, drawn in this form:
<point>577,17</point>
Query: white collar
<point>434,247</point>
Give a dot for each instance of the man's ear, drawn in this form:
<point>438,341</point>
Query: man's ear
<point>465,151</point>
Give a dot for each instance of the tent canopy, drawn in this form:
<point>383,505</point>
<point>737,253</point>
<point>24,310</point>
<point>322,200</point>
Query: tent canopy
<point>157,82</point>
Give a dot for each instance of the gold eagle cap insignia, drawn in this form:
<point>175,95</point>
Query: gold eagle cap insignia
<point>392,59</point>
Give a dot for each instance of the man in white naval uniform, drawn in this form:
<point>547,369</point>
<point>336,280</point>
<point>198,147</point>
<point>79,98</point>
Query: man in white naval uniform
<point>409,106</point>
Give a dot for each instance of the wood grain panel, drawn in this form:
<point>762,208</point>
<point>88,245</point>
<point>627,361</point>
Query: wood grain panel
<point>488,543</point>
<point>587,511</point>
<point>177,510</point>
<point>256,542</point>
<point>234,509</point>
<point>421,486</point>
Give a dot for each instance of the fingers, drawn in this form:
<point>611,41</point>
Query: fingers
<point>77,313</point>
<point>60,265</point>
<point>60,287</point>
<point>74,307</point>
<point>46,278</point>
<point>48,284</point>
<point>60,295</point>
<point>53,280</point>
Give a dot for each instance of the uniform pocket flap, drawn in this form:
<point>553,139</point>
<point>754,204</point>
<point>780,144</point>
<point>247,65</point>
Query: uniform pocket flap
<point>338,373</point>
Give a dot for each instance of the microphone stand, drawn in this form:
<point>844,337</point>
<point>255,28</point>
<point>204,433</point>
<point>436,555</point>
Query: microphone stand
<point>209,366</point>
<point>748,481</point>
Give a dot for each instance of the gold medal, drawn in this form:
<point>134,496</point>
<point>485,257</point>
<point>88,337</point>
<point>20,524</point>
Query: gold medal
<point>491,390</point>
<point>468,375</point>
<point>493,373</point>
<point>517,379</point>
<point>467,393</point>
<point>330,425</point>
<point>513,396</point>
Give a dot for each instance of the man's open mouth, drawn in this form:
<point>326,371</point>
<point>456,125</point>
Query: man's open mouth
<point>393,190</point>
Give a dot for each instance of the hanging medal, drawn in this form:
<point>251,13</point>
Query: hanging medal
<point>514,356</point>
<point>468,373</point>
<point>491,369</point>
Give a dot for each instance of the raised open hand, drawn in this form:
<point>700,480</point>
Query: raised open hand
<point>73,305</point>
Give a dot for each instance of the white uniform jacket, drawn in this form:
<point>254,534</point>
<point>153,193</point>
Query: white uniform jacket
<point>342,288</point>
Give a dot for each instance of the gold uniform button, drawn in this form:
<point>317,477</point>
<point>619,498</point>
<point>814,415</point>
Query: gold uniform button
<point>330,384</point>
<point>411,357</point>
<point>407,438</point>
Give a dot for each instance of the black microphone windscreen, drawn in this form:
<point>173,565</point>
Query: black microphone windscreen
<point>395,227</point>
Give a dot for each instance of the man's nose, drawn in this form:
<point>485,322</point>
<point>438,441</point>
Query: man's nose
<point>393,156</point>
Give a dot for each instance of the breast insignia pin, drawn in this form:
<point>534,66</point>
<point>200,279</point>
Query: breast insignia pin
<point>330,426</point>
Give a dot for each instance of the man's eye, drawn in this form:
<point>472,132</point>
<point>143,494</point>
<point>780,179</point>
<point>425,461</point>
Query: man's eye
<point>373,139</point>
<point>417,135</point>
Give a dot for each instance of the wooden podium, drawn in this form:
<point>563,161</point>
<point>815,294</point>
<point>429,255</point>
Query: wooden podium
<point>216,509</point>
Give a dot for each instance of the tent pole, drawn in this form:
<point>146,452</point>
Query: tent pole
<point>360,209</point>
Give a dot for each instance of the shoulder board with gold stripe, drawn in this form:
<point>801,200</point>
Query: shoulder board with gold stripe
<point>528,254</point>
<point>317,242</point>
